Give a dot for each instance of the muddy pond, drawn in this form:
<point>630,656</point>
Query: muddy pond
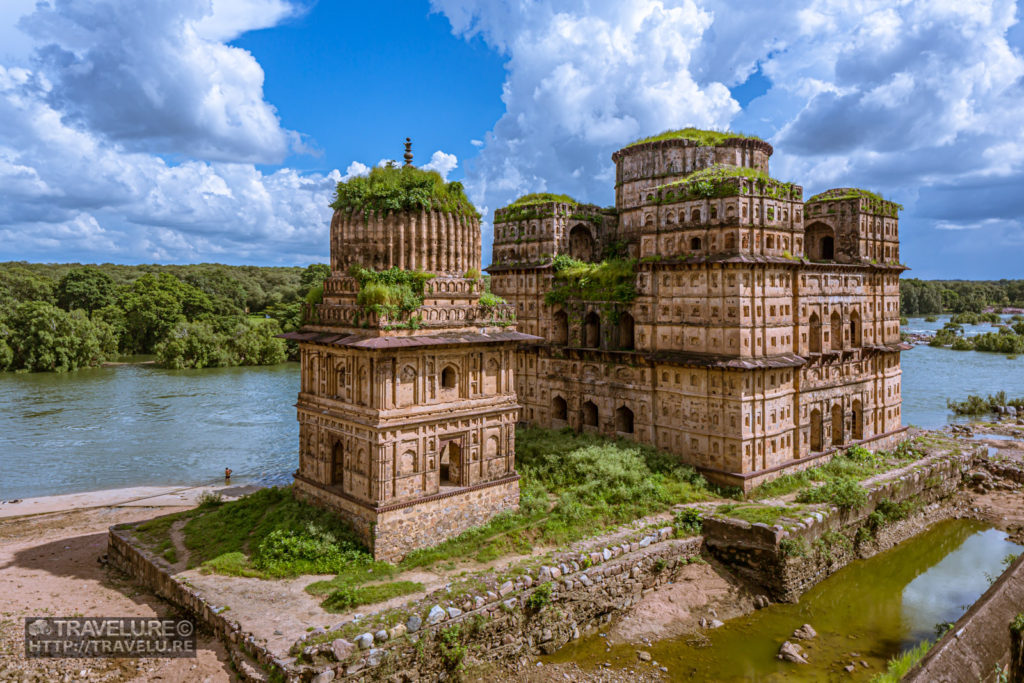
<point>868,611</point>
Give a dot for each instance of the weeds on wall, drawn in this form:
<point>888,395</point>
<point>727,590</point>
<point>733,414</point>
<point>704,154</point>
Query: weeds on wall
<point>612,280</point>
<point>407,188</point>
<point>706,138</point>
<point>393,293</point>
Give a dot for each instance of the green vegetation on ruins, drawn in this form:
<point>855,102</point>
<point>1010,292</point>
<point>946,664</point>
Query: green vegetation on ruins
<point>875,202</point>
<point>573,486</point>
<point>705,138</point>
<point>725,181</point>
<point>402,188</point>
<point>61,317</point>
<point>612,280</point>
<point>837,478</point>
<point>393,293</point>
<point>543,198</point>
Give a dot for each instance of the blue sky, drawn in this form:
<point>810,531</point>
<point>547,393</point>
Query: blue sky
<point>180,131</point>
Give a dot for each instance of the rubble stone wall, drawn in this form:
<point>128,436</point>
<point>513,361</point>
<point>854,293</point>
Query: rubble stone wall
<point>786,562</point>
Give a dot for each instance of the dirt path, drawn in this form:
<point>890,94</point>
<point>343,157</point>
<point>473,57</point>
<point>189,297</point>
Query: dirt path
<point>49,566</point>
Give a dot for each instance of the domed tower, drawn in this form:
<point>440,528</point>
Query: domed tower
<point>407,406</point>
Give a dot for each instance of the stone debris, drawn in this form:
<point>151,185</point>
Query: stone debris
<point>805,632</point>
<point>436,615</point>
<point>644,656</point>
<point>413,624</point>
<point>791,652</point>
<point>324,677</point>
<point>364,641</point>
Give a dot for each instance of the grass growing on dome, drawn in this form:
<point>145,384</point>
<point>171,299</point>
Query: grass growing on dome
<point>707,138</point>
<point>542,198</point>
<point>402,188</point>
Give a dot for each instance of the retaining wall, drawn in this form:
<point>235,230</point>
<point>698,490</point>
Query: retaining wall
<point>762,554</point>
<point>980,640</point>
<point>586,588</point>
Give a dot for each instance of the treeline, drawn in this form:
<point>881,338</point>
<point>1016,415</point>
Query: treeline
<point>924,297</point>
<point>976,405</point>
<point>58,317</point>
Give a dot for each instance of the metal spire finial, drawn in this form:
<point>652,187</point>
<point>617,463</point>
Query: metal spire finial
<point>408,152</point>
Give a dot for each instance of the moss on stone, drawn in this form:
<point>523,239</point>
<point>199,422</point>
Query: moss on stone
<point>708,138</point>
<point>725,181</point>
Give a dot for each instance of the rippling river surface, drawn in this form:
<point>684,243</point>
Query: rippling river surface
<point>133,425</point>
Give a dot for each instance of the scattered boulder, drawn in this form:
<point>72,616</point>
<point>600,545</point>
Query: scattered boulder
<point>414,623</point>
<point>364,641</point>
<point>644,656</point>
<point>505,588</point>
<point>397,631</point>
<point>791,652</point>
<point>454,612</point>
<point>715,623</point>
<point>436,615</point>
<point>325,676</point>
<point>381,636</point>
<point>341,649</point>
<point>805,632</point>
<point>849,668</point>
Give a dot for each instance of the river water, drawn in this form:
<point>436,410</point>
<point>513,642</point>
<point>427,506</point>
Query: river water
<point>868,611</point>
<point>134,425</point>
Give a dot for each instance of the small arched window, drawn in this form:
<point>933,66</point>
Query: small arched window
<point>695,244</point>
<point>449,378</point>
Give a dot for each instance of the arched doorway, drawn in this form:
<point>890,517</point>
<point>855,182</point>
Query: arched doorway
<point>858,420</point>
<point>592,330</point>
<point>337,465</point>
<point>695,244</point>
<point>836,330</point>
<point>581,243</point>
<point>855,329</point>
<point>451,462</point>
<point>559,409</point>
<point>625,330</point>
<point>816,431</point>
<point>560,328</point>
<point>589,414</point>
<point>624,420</point>
<point>814,333</point>
<point>820,240</point>
<point>837,425</point>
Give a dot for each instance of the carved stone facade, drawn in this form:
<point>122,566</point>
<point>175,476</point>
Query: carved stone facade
<point>765,329</point>
<point>408,433</point>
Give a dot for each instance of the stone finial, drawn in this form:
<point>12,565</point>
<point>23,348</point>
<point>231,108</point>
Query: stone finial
<point>408,152</point>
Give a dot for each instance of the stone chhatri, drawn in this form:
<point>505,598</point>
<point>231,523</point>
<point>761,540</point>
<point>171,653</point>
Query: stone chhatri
<point>407,420</point>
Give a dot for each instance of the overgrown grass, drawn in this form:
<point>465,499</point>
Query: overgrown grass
<point>698,135</point>
<point>899,665</point>
<point>156,534</point>
<point>856,463</point>
<point>573,486</point>
<point>276,536</point>
<point>610,280</point>
<point>405,188</point>
<point>393,292</point>
<point>348,596</point>
<point>841,491</point>
<point>543,198</point>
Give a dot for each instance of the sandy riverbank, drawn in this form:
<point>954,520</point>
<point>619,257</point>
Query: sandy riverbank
<point>136,496</point>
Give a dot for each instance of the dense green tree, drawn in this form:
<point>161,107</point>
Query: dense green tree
<point>19,284</point>
<point>44,337</point>
<point>314,275</point>
<point>206,345</point>
<point>87,288</point>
